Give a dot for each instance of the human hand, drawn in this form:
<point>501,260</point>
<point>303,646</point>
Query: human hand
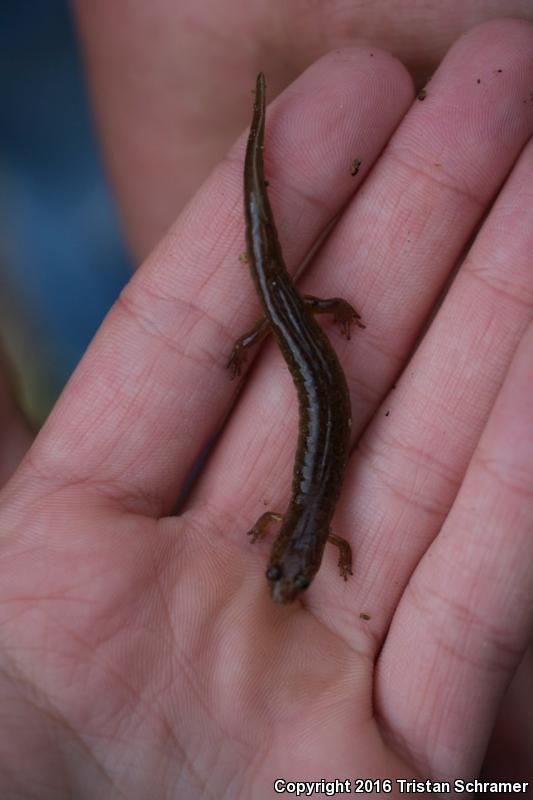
<point>171,85</point>
<point>141,653</point>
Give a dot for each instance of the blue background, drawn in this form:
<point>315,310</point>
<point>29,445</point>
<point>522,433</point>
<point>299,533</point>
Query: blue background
<point>62,262</point>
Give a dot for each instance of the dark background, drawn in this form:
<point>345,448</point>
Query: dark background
<point>62,262</point>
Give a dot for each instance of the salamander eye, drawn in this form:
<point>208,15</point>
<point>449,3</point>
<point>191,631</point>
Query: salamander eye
<point>301,582</point>
<point>274,573</point>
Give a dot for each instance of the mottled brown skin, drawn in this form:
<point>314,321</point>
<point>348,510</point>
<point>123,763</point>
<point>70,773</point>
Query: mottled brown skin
<point>324,401</point>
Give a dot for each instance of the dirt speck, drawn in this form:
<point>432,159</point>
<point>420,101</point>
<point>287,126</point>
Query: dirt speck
<point>354,166</point>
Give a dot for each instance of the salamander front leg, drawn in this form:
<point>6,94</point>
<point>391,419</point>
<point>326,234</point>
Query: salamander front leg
<point>343,313</point>
<point>345,555</point>
<point>260,528</point>
<point>240,348</point>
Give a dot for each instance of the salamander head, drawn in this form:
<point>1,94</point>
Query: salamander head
<point>288,580</point>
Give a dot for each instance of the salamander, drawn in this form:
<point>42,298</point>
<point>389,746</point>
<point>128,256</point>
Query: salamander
<point>323,397</point>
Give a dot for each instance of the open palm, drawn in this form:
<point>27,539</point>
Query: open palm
<point>141,654</point>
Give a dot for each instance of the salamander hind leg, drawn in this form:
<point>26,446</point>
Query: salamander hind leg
<point>259,530</point>
<point>345,555</point>
<point>343,313</point>
<point>240,348</point>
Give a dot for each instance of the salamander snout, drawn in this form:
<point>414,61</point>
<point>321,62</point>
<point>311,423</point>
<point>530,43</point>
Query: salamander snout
<point>286,583</point>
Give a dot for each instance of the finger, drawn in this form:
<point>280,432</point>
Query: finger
<point>468,610</point>
<point>391,252</point>
<point>152,387</point>
<point>160,155</point>
<point>413,218</point>
<point>412,459</point>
